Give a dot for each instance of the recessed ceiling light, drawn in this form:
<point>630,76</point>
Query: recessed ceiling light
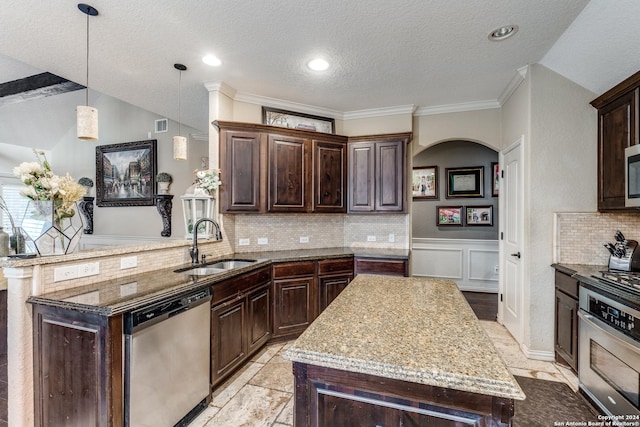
<point>503,32</point>
<point>318,64</point>
<point>211,60</point>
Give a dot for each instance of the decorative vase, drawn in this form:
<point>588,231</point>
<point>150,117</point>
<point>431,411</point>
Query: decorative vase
<point>4,243</point>
<point>163,187</point>
<point>48,232</point>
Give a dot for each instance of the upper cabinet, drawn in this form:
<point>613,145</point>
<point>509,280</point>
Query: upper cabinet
<point>272,169</point>
<point>617,130</point>
<point>377,173</point>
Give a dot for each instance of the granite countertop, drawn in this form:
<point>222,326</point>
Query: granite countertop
<point>588,275</point>
<point>408,328</point>
<point>128,293</point>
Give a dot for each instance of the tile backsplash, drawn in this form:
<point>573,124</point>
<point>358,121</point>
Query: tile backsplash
<point>275,232</point>
<point>579,236</point>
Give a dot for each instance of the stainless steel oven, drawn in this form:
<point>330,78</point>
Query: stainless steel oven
<point>609,353</point>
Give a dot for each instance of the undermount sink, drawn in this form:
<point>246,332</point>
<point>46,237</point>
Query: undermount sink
<point>216,267</point>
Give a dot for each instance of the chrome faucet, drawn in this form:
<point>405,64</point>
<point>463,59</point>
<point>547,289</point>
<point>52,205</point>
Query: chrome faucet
<point>193,251</point>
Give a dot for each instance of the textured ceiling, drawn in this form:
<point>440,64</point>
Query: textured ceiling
<point>387,53</point>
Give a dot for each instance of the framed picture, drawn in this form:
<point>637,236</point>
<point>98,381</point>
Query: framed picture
<point>449,215</point>
<point>425,182</point>
<point>465,182</point>
<point>479,215</point>
<point>126,174</point>
<point>495,180</point>
<point>293,120</point>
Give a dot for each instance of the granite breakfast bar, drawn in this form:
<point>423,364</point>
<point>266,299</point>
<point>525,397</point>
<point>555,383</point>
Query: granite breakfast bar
<point>400,351</point>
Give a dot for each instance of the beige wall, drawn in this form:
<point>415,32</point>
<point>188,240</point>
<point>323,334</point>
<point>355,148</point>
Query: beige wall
<point>481,126</point>
<point>377,125</point>
<point>560,136</point>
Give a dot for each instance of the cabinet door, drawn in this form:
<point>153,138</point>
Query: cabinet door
<point>617,130</point>
<point>329,287</point>
<point>361,185</point>
<point>288,174</point>
<point>228,337</point>
<point>566,336</point>
<point>329,177</point>
<point>390,176</point>
<point>259,321</point>
<point>293,305</point>
<point>390,267</point>
<point>240,154</point>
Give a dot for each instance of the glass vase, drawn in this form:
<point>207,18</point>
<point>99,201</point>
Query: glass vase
<point>48,232</point>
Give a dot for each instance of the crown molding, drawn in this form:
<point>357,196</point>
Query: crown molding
<point>379,112</point>
<point>518,78</point>
<point>287,105</point>
<point>457,108</point>
<point>221,87</point>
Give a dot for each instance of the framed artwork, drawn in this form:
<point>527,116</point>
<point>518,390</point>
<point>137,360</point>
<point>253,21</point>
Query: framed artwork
<point>126,174</point>
<point>480,215</point>
<point>425,182</point>
<point>293,120</point>
<point>465,182</point>
<point>449,215</point>
<point>495,180</point>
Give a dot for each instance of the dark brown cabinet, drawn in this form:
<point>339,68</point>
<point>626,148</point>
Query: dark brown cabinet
<point>566,320</point>
<point>240,321</point>
<point>385,266</point>
<point>294,290</point>
<point>272,169</point>
<point>617,130</point>
<point>240,154</point>
<point>377,173</point>
<point>333,276</point>
<point>288,174</point>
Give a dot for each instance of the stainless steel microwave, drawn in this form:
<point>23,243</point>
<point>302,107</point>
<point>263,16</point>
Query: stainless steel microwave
<point>632,176</point>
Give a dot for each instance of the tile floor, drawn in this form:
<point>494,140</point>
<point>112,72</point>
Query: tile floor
<point>260,393</point>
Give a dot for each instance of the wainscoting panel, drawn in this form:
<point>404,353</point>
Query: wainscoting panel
<point>472,264</point>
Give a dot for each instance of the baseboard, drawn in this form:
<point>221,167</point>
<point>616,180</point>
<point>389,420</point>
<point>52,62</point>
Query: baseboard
<point>547,356</point>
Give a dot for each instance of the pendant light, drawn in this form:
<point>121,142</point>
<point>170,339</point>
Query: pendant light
<point>87,116</point>
<point>179,141</point>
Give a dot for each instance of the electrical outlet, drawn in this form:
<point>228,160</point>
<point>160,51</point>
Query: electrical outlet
<point>128,262</point>
<point>392,237</point>
<point>89,269</point>
<point>263,241</point>
<point>244,242</point>
<point>371,238</point>
<point>65,273</point>
<point>304,239</point>
<point>128,289</point>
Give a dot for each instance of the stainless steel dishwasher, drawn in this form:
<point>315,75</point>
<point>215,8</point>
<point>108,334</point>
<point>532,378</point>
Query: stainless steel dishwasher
<point>167,361</point>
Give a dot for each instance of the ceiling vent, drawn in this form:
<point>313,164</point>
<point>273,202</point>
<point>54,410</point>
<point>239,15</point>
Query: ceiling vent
<point>162,125</point>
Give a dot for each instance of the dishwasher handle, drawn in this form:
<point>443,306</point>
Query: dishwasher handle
<point>152,314</point>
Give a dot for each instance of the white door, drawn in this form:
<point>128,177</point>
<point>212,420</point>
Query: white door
<point>511,224</point>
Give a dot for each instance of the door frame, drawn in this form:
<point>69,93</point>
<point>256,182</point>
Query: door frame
<point>519,334</point>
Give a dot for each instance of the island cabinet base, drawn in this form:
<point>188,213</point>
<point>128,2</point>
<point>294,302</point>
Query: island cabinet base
<point>331,397</point>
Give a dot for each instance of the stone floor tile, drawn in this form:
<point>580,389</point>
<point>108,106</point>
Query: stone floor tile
<point>252,406</point>
<point>264,355</point>
<point>277,375</point>
<point>204,417</point>
<point>226,391</point>
<point>570,377</point>
<point>514,358</point>
<point>286,416</point>
<point>495,330</point>
<point>541,375</point>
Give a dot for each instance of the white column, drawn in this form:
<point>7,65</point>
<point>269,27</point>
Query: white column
<point>20,346</point>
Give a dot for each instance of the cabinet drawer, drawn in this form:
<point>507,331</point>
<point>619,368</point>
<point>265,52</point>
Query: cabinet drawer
<point>294,269</point>
<point>396,267</point>
<point>237,285</point>
<point>567,284</point>
<point>335,265</point>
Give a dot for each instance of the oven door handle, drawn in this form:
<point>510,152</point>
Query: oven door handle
<point>606,329</point>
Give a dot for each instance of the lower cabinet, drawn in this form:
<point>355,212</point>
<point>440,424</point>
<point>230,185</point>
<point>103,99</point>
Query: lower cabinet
<point>333,276</point>
<point>294,290</point>
<point>386,266</point>
<point>566,320</point>
<point>240,321</point>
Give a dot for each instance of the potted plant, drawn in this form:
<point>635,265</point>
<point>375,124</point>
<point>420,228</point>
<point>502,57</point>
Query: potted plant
<point>164,180</point>
<point>87,183</point>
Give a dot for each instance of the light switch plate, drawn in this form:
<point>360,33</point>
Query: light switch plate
<point>371,238</point>
<point>65,273</point>
<point>304,239</point>
<point>244,242</point>
<point>128,262</point>
<point>263,241</point>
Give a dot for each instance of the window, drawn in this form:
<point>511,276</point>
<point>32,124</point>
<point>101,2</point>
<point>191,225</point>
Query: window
<point>16,204</point>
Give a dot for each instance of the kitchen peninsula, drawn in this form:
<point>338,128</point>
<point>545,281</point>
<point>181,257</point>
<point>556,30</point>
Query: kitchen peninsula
<point>396,351</point>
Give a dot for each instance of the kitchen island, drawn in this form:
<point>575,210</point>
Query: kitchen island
<point>400,351</point>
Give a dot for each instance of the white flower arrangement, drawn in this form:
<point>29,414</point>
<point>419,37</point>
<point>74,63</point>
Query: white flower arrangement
<point>207,179</point>
<point>43,184</point>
